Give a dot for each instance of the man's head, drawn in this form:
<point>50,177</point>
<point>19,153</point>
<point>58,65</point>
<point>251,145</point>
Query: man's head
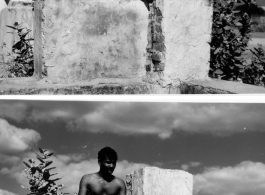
<point>107,158</point>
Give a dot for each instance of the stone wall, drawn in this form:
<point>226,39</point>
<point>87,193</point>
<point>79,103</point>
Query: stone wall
<point>155,181</point>
<point>155,41</point>
<point>84,40</point>
<point>178,49</point>
<point>2,5</point>
<point>16,11</point>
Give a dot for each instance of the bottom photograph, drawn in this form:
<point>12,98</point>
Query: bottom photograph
<point>132,148</point>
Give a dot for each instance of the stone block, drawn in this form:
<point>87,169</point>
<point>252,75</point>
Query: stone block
<point>158,12</point>
<point>187,30</point>
<point>159,47</point>
<point>158,38</point>
<point>159,19</point>
<point>156,181</point>
<point>158,28</point>
<point>161,66</point>
<point>157,56</point>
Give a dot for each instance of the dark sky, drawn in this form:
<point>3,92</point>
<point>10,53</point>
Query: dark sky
<point>215,142</point>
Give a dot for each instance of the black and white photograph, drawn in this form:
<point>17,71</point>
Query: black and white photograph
<point>132,97</point>
<point>141,148</point>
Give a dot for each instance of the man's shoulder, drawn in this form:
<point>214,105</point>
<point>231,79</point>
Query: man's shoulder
<point>88,177</point>
<point>119,181</point>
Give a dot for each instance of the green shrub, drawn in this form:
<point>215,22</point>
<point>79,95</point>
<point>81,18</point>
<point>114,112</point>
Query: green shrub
<point>39,176</point>
<point>254,73</point>
<point>22,50</point>
<point>230,36</point>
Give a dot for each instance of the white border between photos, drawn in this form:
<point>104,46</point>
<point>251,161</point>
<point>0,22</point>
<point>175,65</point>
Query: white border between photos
<point>253,98</point>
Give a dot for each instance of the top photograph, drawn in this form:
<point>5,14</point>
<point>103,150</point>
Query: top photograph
<point>116,47</point>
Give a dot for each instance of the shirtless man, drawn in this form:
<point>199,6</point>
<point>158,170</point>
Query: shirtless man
<point>103,182</point>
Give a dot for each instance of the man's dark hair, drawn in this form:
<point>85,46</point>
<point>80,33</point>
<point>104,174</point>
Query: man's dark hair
<point>107,152</point>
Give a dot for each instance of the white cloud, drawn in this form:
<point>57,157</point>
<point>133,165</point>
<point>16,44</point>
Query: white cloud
<point>163,119</point>
<point>5,192</point>
<point>130,118</point>
<point>123,118</point>
<point>13,139</point>
<point>186,167</point>
<point>49,115</point>
<point>243,179</point>
<point>7,159</point>
<point>16,111</point>
<point>34,111</point>
<point>124,167</point>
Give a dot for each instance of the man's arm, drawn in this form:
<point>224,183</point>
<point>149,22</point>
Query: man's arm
<point>123,188</point>
<point>83,186</point>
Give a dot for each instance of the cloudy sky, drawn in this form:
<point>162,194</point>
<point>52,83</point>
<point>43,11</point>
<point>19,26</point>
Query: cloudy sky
<point>222,145</point>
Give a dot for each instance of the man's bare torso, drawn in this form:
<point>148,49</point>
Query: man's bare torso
<point>95,185</point>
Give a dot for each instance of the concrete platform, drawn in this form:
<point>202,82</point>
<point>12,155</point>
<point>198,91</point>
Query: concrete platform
<point>31,86</point>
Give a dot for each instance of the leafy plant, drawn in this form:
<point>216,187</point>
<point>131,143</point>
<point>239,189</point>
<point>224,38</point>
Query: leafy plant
<point>23,65</point>
<point>39,176</point>
<point>230,35</point>
<point>254,73</point>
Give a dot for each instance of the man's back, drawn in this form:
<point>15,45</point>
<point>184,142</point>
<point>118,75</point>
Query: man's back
<point>94,184</point>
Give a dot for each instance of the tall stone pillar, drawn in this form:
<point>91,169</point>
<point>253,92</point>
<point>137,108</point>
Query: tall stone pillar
<point>178,40</point>
<point>156,181</point>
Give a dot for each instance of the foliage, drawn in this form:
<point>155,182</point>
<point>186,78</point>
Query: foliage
<point>23,65</point>
<point>255,10</point>
<point>39,176</point>
<point>259,28</point>
<point>254,73</point>
<point>230,35</point>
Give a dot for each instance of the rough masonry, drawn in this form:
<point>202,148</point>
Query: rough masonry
<point>178,37</point>
<point>156,181</point>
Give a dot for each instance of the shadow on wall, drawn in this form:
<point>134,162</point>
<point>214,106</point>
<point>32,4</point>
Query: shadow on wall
<point>146,2</point>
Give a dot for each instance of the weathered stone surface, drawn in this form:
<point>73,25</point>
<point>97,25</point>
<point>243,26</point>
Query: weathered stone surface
<point>158,38</point>
<point>187,30</point>
<point>155,181</point>
<point>2,5</point>
<point>99,38</point>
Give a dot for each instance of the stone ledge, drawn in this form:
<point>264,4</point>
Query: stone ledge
<point>213,86</point>
<point>31,86</point>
